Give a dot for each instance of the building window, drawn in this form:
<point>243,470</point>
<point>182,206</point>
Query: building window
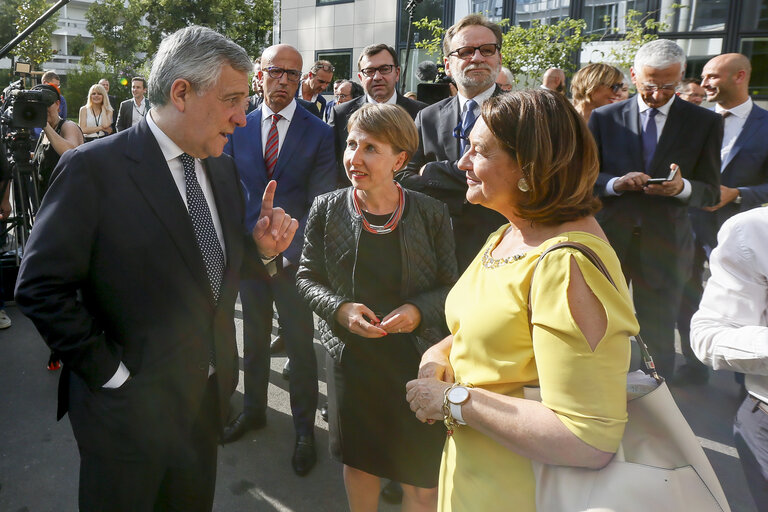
<point>546,11</point>
<point>342,62</point>
<point>609,16</point>
<point>331,2</point>
<point>695,15</point>
<point>698,53</point>
<point>754,15</point>
<point>756,48</point>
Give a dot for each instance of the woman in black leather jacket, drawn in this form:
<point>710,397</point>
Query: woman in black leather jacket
<point>376,267</point>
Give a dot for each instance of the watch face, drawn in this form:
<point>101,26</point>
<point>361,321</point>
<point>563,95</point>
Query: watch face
<point>458,395</point>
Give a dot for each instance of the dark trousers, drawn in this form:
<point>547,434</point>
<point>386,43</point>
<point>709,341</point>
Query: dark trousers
<point>750,433</point>
<point>256,296</point>
<point>693,289</point>
<point>656,306</point>
<point>108,484</point>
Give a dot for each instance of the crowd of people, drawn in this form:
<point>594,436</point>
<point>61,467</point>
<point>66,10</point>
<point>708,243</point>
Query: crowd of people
<point>414,233</point>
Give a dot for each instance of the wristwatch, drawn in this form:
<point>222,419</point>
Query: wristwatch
<point>457,396</point>
<point>738,198</point>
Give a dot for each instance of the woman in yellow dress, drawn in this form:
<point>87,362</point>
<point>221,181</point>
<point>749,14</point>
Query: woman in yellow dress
<point>532,159</point>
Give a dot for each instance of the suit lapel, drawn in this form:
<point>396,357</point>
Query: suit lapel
<point>754,118</point>
<point>153,179</point>
<point>447,121</point>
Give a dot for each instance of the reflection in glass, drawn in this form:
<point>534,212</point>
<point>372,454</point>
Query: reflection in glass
<point>756,48</point>
<point>492,9</point>
<point>698,52</point>
<point>547,11</point>
<point>754,15</point>
<point>607,16</point>
<point>695,15</point>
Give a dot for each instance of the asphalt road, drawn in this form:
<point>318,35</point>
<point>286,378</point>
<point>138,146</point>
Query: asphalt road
<point>39,460</point>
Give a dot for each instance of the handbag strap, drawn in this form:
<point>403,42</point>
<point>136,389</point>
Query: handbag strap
<point>650,367</point>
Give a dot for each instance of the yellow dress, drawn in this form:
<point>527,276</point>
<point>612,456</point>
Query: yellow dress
<point>492,349</point>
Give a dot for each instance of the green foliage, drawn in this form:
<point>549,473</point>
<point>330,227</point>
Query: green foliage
<point>434,44</point>
<point>119,39</point>
<point>639,29</point>
<point>36,48</point>
<point>8,15</point>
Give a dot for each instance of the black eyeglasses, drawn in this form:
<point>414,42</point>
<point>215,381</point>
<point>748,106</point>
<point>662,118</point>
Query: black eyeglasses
<point>383,70</point>
<point>341,96</point>
<point>324,67</point>
<point>466,52</point>
<point>277,73</point>
<point>615,88</point>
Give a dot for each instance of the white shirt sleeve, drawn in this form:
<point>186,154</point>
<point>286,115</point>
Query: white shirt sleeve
<point>729,330</point>
<point>118,379</point>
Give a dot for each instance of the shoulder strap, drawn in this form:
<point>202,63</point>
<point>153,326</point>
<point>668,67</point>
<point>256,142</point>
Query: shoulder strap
<point>597,262</point>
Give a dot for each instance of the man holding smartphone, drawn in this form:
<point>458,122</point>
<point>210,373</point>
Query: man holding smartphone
<point>651,169</point>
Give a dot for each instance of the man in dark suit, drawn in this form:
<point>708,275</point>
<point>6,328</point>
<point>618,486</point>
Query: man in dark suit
<point>132,111</point>
<point>473,60</point>
<point>131,275</point>
<point>311,88</point>
<point>744,183</point>
<point>647,223</point>
<point>379,72</point>
<point>284,142</point>
<point>257,99</point>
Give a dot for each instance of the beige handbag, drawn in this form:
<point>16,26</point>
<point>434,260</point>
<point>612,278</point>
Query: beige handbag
<point>659,466</point>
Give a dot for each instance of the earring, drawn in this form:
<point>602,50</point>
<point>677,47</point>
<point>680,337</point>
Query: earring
<point>523,185</point>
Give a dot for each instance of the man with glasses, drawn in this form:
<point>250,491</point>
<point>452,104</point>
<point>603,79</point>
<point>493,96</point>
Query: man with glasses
<point>645,207</point>
<point>691,91</point>
<point>379,72</point>
<point>318,79</point>
<point>472,59</point>
<point>287,144</point>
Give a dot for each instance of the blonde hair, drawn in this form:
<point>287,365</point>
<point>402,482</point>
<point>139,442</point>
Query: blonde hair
<point>590,77</point>
<point>105,101</point>
<point>387,123</point>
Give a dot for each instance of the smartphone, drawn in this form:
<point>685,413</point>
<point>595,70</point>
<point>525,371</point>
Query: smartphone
<point>669,177</point>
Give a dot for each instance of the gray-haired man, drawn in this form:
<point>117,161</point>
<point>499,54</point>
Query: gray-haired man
<point>131,275</point>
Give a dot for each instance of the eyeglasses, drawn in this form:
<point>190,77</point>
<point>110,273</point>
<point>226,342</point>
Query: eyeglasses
<point>277,73</point>
<point>467,52</point>
<point>383,70</point>
<point>615,88</point>
<point>653,87</point>
<point>324,67</point>
<point>341,96</point>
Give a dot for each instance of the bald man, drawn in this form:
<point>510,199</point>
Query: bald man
<point>744,180</point>
<point>554,80</point>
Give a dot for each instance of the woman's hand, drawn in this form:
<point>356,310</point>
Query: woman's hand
<point>426,397</point>
<point>435,363</point>
<point>359,319</point>
<point>406,318</point>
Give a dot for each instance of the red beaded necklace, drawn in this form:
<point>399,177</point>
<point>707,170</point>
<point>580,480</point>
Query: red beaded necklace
<point>391,224</point>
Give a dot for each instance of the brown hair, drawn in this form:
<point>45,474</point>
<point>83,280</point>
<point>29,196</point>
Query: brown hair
<point>140,79</point>
<point>374,49</point>
<point>469,21</point>
<point>388,123</point>
<point>592,76</point>
<point>554,149</point>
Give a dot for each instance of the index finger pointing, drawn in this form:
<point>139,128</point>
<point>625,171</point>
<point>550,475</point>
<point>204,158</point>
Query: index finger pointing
<point>268,199</point>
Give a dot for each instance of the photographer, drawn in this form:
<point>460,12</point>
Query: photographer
<point>58,136</point>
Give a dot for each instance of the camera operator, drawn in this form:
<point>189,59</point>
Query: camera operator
<point>58,136</point>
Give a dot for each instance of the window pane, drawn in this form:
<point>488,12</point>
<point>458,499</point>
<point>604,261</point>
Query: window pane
<point>492,9</point>
<point>432,9</point>
<point>756,48</point>
<point>342,61</point>
<point>548,11</point>
<point>699,51</point>
<point>695,15</point>
<point>609,15</point>
<point>754,15</point>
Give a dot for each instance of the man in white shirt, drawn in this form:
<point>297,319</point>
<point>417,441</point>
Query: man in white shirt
<point>133,111</point>
<point>730,332</point>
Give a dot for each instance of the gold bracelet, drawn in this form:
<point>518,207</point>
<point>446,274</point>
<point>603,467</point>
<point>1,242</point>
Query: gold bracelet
<point>448,419</point>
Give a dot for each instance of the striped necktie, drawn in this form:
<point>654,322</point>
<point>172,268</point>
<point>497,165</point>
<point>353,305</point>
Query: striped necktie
<point>273,144</point>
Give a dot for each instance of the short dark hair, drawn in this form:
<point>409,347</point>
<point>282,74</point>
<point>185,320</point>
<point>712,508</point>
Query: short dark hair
<point>48,76</point>
<point>469,21</point>
<point>555,150</point>
<point>140,79</point>
<point>688,81</point>
<point>373,49</point>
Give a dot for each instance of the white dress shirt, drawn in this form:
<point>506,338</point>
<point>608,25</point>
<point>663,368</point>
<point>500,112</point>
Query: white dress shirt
<point>282,124</point>
<point>138,111</point>
<point>661,120</point>
<point>479,99</point>
<point>733,124</point>
<point>730,329</point>
<point>391,101</point>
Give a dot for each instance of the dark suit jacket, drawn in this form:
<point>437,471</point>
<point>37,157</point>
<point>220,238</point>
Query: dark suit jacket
<point>115,107</point>
<point>305,169</point>
<point>113,273</point>
<point>340,116</point>
<point>691,138</point>
<point>317,105</point>
<point>125,114</point>
<point>438,154</point>
<point>746,168</point>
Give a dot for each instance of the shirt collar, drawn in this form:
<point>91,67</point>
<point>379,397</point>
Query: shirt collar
<point>741,111</point>
<point>169,148</point>
<point>663,110</point>
<point>479,99</point>
<point>287,112</point>
<point>141,103</point>
<point>391,101</point>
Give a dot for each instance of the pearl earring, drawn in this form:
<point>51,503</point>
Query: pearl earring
<point>523,185</point>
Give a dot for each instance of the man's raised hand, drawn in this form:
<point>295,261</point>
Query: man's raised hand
<point>274,230</point>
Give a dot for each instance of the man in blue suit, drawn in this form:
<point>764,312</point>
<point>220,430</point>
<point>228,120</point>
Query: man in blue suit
<point>283,142</point>
<point>647,223</point>
<point>744,182</point>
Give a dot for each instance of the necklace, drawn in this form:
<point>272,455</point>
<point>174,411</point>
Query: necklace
<point>391,224</point>
<point>491,262</point>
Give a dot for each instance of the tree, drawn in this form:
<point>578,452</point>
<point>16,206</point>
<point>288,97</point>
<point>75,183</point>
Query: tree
<point>639,29</point>
<point>120,41</point>
<point>8,16</point>
<point>36,48</point>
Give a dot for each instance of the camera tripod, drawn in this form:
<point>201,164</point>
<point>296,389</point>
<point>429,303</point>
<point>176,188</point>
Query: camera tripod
<point>25,199</point>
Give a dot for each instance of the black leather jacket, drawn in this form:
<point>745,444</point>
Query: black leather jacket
<point>326,273</point>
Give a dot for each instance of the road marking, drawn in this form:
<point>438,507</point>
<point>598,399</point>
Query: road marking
<point>259,494</point>
<point>718,447</point>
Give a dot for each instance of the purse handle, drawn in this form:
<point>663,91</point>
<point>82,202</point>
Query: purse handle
<point>650,367</point>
